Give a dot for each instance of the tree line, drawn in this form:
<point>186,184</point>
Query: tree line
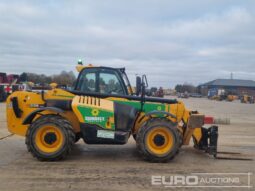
<point>64,78</point>
<point>182,88</point>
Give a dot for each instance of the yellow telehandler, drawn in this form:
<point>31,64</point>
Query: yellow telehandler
<point>103,109</point>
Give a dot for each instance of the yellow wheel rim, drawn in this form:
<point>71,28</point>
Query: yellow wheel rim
<point>49,139</point>
<point>159,141</point>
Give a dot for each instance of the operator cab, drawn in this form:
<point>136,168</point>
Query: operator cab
<point>102,80</point>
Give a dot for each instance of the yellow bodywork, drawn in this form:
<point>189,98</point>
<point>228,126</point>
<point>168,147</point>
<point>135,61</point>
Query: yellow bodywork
<point>87,101</point>
<point>30,101</point>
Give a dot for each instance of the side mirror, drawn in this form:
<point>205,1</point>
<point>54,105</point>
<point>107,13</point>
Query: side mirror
<point>138,85</point>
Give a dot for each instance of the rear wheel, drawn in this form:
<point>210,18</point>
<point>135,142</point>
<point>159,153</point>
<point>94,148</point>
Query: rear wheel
<point>50,138</point>
<point>158,140</point>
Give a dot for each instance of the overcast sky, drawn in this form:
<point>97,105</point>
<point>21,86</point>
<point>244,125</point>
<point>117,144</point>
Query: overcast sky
<point>171,41</point>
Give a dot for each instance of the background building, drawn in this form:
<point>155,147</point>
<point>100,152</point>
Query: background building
<point>233,86</point>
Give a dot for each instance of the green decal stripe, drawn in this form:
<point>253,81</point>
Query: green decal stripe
<point>97,116</point>
<point>148,106</point>
<point>134,104</point>
<point>154,106</point>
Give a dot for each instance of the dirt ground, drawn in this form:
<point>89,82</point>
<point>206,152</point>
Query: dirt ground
<point>100,167</point>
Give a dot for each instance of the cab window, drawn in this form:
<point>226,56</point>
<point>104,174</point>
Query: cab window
<point>87,82</point>
<point>110,84</point>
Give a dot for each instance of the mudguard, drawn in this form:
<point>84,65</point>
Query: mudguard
<point>31,116</point>
<point>159,113</point>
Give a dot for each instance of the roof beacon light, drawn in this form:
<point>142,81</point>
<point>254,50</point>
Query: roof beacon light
<point>80,62</point>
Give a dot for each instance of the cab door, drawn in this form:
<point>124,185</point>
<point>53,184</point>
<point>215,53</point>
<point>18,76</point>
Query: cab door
<point>101,80</point>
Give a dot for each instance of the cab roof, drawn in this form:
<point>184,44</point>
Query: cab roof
<point>79,67</point>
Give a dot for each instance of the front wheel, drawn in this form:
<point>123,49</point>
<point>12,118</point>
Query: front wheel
<point>50,138</point>
<point>158,140</point>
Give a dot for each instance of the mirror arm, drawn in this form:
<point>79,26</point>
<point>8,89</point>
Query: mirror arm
<point>142,94</point>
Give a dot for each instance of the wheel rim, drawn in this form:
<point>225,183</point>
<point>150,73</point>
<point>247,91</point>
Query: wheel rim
<point>49,139</point>
<point>160,141</point>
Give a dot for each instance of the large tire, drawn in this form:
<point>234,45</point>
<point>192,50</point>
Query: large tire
<point>50,138</point>
<point>158,140</point>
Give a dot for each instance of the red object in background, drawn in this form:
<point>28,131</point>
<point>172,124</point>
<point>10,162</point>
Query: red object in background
<point>8,89</point>
<point>208,120</point>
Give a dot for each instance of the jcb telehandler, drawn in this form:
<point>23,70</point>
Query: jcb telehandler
<point>102,109</point>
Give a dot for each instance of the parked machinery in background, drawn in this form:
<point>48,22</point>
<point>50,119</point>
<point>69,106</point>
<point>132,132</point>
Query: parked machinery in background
<point>222,95</point>
<point>247,99</point>
<point>217,94</point>
<point>232,97</point>
<point>159,92</point>
<point>183,95</point>
<point>155,92</point>
<point>9,84</point>
<point>196,95</point>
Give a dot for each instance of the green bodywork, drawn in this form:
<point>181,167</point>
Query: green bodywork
<point>147,107</point>
<point>97,116</point>
<point>102,117</point>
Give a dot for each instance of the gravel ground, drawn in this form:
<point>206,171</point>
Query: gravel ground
<point>105,167</point>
